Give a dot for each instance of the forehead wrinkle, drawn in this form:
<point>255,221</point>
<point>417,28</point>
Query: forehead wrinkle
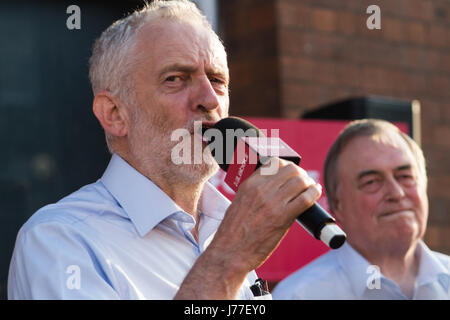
<point>377,162</point>
<point>198,47</point>
<point>387,138</point>
<point>213,57</point>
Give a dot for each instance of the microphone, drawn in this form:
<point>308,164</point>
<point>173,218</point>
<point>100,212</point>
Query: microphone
<point>240,148</point>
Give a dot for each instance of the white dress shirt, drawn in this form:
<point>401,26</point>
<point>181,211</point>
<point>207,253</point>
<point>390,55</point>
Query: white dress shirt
<point>119,238</point>
<point>345,274</point>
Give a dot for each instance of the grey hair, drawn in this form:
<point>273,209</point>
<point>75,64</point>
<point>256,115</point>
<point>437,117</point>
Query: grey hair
<point>358,128</point>
<point>112,60</point>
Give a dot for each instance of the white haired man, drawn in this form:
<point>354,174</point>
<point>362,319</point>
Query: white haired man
<point>150,228</point>
<point>376,186</point>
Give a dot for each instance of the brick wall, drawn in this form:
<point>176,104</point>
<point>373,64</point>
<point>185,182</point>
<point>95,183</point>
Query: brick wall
<point>250,36</point>
<point>290,56</point>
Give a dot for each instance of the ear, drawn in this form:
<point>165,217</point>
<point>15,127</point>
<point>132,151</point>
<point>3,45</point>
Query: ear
<point>337,207</point>
<point>111,114</point>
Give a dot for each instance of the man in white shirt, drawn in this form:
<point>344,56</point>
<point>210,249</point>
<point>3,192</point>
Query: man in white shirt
<point>376,186</point>
<point>152,228</point>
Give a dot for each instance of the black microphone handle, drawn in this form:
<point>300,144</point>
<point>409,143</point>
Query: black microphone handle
<point>315,219</point>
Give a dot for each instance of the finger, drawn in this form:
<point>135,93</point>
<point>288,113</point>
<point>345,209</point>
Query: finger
<point>257,179</point>
<point>279,171</point>
<point>294,187</point>
<point>305,199</point>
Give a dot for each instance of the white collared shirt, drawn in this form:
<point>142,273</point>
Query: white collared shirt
<point>119,238</point>
<point>345,274</point>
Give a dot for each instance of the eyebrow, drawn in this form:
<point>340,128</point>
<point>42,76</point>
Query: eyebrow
<point>404,167</point>
<point>177,67</point>
<point>367,173</point>
<point>370,172</point>
<point>186,68</point>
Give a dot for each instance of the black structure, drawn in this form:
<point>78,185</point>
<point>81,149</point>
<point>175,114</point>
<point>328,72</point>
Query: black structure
<point>51,143</point>
<point>385,108</point>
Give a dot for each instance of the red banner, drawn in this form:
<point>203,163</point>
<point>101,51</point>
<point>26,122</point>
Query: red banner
<point>311,139</point>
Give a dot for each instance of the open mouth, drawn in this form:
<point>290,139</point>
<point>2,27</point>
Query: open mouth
<point>205,126</point>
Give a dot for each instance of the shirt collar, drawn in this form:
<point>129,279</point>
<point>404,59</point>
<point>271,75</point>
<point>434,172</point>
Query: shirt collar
<point>356,266</point>
<point>145,203</point>
<point>137,195</point>
<point>213,203</point>
<point>430,268</point>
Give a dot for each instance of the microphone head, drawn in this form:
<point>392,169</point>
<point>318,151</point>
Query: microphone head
<point>231,129</point>
<point>235,123</point>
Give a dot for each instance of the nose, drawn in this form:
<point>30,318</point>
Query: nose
<point>205,97</point>
<point>394,190</point>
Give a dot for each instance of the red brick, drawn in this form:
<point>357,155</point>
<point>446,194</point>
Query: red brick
<point>393,29</point>
<point>410,9</point>
<point>441,137</point>
<point>262,17</point>
<point>437,237</point>
<point>298,68</point>
<point>301,95</point>
<point>439,210</point>
<point>439,186</point>
<point>368,51</point>
<point>445,111</point>
<point>439,86</point>
<point>416,33</point>
<point>330,73</point>
<point>251,17</point>
<point>298,42</point>
<point>260,100</point>
<point>424,59</point>
<point>308,69</point>
<point>441,11</point>
<point>324,19</point>
<point>292,42</point>
<point>431,111</point>
<point>427,128</point>
<point>348,74</point>
<point>417,9</point>
<point>443,62</point>
<point>293,14</point>
<point>377,78</point>
<point>360,5</point>
<point>330,4</point>
<point>348,23</point>
<point>437,163</point>
<point>241,74</point>
<point>438,36</point>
